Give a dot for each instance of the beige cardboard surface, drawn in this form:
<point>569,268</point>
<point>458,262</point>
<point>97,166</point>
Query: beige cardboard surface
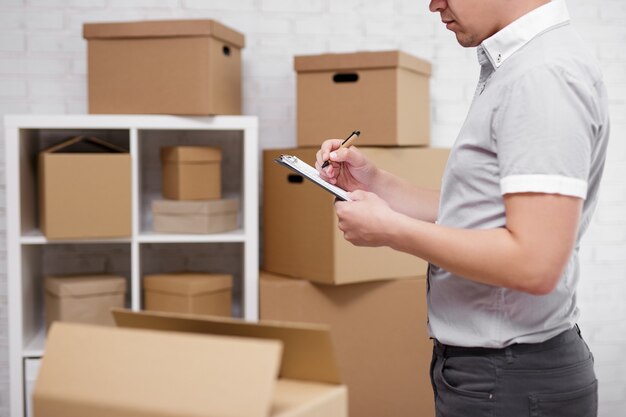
<point>295,398</point>
<point>83,299</point>
<point>379,334</point>
<point>307,349</point>
<point>84,195</point>
<point>300,234</point>
<point>208,216</point>
<point>386,97</point>
<point>193,293</point>
<point>164,67</point>
<point>97,372</point>
<point>191,172</point>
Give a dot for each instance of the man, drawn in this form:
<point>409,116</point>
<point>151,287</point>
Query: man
<point>502,236</point>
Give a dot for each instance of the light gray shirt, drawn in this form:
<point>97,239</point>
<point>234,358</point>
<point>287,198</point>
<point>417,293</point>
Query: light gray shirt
<point>538,123</point>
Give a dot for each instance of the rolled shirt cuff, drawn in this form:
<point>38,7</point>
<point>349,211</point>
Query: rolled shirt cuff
<point>549,184</point>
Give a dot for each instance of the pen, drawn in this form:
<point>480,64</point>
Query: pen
<point>345,144</point>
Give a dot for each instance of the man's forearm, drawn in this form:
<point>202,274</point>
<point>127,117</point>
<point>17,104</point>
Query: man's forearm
<point>494,257</point>
<point>403,197</point>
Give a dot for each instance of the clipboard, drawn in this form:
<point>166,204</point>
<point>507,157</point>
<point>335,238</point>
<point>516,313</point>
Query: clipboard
<point>307,171</point>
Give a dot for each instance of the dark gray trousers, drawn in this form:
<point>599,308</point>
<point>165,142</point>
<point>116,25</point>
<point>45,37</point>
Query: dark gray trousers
<point>550,379</point>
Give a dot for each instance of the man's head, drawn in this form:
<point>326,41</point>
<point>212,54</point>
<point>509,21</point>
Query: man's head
<point>473,21</point>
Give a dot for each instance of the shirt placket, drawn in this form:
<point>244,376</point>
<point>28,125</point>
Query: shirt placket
<point>486,70</point>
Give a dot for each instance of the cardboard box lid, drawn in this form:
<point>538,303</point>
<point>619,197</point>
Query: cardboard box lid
<point>94,143</point>
<point>83,285</point>
<point>188,283</point>
<point>163,29</point>
<point>100,371</point>
<point>206,207</point>
<point>190,154</point>
<point>361,60</point>
<point>308,353</point>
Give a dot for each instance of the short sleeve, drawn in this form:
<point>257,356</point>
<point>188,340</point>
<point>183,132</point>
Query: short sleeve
<point>544,134</point>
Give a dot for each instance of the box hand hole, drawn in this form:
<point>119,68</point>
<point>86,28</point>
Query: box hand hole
<point>295,179</point>
<point>346,77</point>
<point>226,50</point>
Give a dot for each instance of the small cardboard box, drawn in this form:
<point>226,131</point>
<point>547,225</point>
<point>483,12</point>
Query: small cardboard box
<point>164,67</point>
<point>209,216</point>
<point>300,234</point>
<point>84,190</point>
<point>83,299</point>
<point>385,95</point>
<point>191,172</point>
<point>194,293</point>
<point>379,334</point>
<point>185,366</point>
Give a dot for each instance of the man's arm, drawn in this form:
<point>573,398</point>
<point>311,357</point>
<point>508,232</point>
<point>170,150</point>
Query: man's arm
<point>416,202</point>
<point>529,254</point>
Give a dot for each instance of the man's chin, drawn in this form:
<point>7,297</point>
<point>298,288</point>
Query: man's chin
<point>465,40</point>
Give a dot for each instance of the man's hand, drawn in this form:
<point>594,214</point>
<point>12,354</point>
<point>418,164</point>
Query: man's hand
<point>364,221</point>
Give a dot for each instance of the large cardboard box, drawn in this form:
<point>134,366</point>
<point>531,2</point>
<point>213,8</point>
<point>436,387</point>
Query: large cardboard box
<point>164,67</point>
<point>190,292</point>
<point>379,334</point>
<point>185,366</point>
<point>191,172</point>
<point>208,216</point>
<point>300,234</point>
<point>83,299</point>
<point>84,190</point>
<point>385,95</point>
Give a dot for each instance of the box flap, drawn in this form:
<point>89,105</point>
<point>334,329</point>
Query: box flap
<point>361,60</point>
<point>91,140</point>
<point>188,283</point>
<point>163,29</point>
<point>191,154</point>
<point>307,349</point>
<point>97,371</point>
<point>206,207</point>
<point>83,285</point>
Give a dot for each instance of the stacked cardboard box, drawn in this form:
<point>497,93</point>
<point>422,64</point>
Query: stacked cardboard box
<point>373,298</point>
<point>189,67</point>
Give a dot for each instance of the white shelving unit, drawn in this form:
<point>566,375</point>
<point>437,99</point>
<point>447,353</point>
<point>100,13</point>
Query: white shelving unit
<point>31,256</point>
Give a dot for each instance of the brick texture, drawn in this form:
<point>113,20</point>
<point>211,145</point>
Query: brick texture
<point>43,70</point>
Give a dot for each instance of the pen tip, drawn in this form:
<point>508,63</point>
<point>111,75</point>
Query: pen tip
<point>357,132</point>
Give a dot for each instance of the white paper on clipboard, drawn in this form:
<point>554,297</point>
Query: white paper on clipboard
<point>307,171</point>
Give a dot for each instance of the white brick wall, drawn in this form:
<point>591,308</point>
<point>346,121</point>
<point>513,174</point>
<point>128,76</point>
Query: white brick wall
<point>42,70</point>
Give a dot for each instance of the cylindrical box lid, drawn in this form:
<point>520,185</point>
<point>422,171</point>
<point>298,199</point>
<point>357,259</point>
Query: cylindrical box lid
<point>361,60</point>
<point>188,283</point>
<point>163,29</point>
<point>83,285</point>
<point>191,154</point>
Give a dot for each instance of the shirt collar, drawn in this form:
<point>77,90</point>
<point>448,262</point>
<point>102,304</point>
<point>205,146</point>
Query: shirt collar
<point>509,40</point>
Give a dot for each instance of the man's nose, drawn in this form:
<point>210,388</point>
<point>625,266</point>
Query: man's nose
<point>438,5</point>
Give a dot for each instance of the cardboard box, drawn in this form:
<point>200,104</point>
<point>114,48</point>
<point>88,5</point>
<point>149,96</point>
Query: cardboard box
<point>83,299</point>
<point>185,366</point>
<point>209,216</point>
<point>84,190</point>
<point>379,334</point>
<point>385,95</point>
<point>164,67</point>
<point>300,234</point>
<point>189,292</point>
<point>191,172</point>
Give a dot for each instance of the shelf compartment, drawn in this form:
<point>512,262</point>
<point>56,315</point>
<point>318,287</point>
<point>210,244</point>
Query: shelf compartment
<point>39,261</point>
<point>224,258</point>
